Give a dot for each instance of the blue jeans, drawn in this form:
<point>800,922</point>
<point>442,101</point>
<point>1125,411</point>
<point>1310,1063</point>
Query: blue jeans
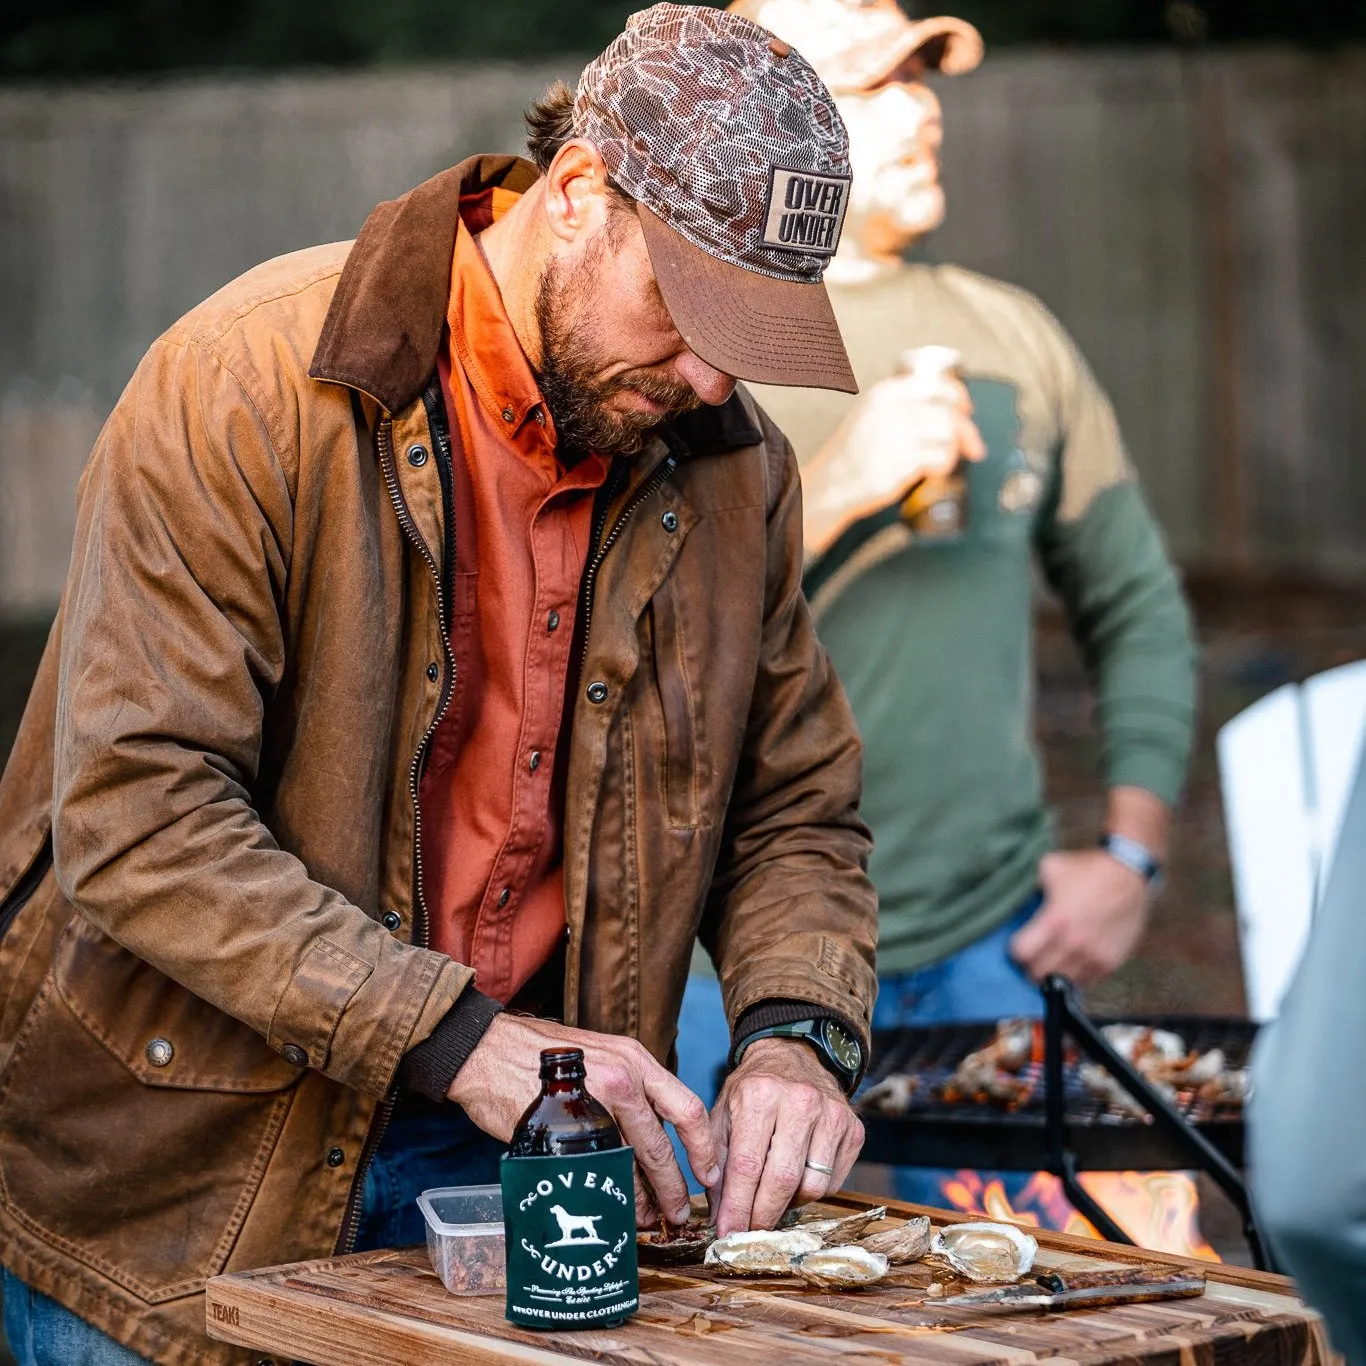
<point>979,982</point>
<point>41,1333</point>
<point>425,1145</point>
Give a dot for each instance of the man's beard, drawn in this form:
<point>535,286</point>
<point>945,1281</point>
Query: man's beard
<point>570,363</point>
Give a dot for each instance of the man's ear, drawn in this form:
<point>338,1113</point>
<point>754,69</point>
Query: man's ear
<point>576,190</point>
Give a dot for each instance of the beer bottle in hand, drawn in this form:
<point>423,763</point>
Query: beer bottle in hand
<point>564,1120</point>
<point>569,1207</point>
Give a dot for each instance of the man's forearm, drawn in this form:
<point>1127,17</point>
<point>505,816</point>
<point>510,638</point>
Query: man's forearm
<point>1139,815</point>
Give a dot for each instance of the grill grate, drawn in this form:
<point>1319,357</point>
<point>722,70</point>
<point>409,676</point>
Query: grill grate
<point>966,1133</point>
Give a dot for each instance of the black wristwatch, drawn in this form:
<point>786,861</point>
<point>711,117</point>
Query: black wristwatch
<point>836,1047</point>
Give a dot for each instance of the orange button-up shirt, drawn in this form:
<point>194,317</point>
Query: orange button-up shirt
<point>493,790</point>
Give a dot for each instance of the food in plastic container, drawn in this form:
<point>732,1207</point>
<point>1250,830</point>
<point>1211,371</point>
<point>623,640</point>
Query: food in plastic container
<point>465,1237</point>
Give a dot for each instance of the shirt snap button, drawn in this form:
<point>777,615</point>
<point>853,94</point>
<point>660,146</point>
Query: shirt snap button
<point>504,897</point>
<point>540,418</point>
<point>433,672</point>
<point>508,414</point>
<point>294,1055</point>
<point>391,920</point>
<point>669,520</point>
<point>160,1051</point>
<point>552,622</point>
<point>336,1157</point>
<point>597,692</point>
<point>417,456</point>
<point>535,761</point>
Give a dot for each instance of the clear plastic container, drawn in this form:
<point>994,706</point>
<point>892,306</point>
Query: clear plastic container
<point>465,1237</point>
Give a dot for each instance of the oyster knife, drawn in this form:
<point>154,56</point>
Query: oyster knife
<point>1084,1290</point>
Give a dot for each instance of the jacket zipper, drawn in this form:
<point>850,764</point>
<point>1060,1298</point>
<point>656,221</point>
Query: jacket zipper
<point>346,1241</point>
<point>659,476</point>
<point>23,890</point>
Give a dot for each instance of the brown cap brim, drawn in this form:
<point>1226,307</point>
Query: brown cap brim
<point>943,43</point>
<point>747,325</point>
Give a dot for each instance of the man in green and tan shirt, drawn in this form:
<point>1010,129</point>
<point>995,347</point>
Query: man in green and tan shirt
<point>932,634</point>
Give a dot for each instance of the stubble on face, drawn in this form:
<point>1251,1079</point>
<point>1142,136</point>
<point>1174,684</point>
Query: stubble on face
<point>575,353</point>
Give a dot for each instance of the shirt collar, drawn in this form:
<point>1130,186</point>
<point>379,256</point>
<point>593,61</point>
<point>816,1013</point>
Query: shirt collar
<point>482,335</point>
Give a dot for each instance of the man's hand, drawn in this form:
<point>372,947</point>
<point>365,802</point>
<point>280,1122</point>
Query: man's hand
<point>502,1077</point>
<point>778,1110</point>
<point>1093,915</point>
<point>901,430</point>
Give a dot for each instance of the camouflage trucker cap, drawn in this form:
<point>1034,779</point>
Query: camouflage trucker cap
<point>739,165</point>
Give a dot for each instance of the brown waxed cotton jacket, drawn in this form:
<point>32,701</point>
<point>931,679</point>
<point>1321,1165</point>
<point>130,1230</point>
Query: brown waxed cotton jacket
<point>210,805</point>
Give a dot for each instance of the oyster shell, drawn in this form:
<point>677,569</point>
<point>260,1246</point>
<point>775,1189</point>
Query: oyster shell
<point>675,1243</point>
<point>907,1242</point>
<point>761,1252</point>
<point>842,1268</point>
<point>846,1229</point>
<point>985,1252</point>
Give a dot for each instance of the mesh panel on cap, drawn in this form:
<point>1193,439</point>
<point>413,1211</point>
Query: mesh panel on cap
<point>692,109</point>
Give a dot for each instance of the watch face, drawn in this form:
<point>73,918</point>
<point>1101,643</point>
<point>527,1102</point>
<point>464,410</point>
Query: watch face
<point>846,1049</point>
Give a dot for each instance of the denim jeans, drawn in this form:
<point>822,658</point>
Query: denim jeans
<point>41,1333</point>
<point>425,1145</point>
<point>979,982</point>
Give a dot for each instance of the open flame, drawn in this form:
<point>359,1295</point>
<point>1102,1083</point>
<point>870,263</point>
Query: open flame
<point>1158,1210</point>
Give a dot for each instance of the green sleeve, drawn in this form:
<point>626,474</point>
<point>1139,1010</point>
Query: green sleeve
<point>1102,552</point>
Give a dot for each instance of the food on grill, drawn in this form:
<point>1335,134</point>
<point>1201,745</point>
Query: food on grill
<point>761,1252</point>
<point>847,1267</point>
<point>1006,1072</point>
<point>891,1096</point>
<point>985,1252</point>
<point>670,1244</point>
<point>837,1232</point>
<point>907,1242</point>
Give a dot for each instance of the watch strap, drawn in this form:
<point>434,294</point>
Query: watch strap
<point>1133,855</point>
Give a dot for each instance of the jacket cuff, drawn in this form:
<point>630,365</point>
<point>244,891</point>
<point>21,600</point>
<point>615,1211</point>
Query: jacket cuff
<point>762,1014</point>
<point>429,1067</point>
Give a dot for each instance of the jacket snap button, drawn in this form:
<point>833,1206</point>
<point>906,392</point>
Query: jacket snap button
<point>433,672</point>
<point>294,1055</point>
<point>504,897</point>
<point>391,920</point>
<point>160,1052</point>
<point>535,761</point>
<point>669,520</point>
<point>417,456</point>
<point>597,692</point>
<point>508,414</point>
<point>552,622</point>
<point>336,1157</point>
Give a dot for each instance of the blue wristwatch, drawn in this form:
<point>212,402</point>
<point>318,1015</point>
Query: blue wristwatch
<point>1135,856</point>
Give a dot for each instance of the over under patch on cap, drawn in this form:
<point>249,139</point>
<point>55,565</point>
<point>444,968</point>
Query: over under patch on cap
<point>805,211</point>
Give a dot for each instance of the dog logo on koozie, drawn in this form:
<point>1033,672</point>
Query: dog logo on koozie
<point>805,211</point>
<point>572,1224</point>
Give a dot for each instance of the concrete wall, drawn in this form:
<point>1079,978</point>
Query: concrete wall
<point>1197,222</point>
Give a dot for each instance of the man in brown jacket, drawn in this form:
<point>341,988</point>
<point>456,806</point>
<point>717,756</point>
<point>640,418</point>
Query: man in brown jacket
<point>434,643</point>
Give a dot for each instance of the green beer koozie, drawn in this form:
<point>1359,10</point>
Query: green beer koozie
<point>570,1232</point>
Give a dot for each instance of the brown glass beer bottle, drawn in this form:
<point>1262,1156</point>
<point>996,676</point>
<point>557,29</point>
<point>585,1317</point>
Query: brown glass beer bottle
<point>569,1215</point>
<point>564,1120</point>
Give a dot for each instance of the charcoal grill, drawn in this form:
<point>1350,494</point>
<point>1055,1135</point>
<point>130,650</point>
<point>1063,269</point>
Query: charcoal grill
<point>1063,1127</point>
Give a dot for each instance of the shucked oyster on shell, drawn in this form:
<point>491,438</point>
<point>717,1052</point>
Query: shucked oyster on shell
<point>907,1242</point>
<point>841,1268</point>
<point>985,1252</point>
<point>761,1252</point>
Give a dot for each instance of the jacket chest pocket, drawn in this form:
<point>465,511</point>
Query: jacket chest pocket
<point>673,729</point>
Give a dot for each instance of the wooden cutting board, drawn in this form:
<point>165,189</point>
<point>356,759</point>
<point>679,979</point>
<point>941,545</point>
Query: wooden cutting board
<point>380,1308</point>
